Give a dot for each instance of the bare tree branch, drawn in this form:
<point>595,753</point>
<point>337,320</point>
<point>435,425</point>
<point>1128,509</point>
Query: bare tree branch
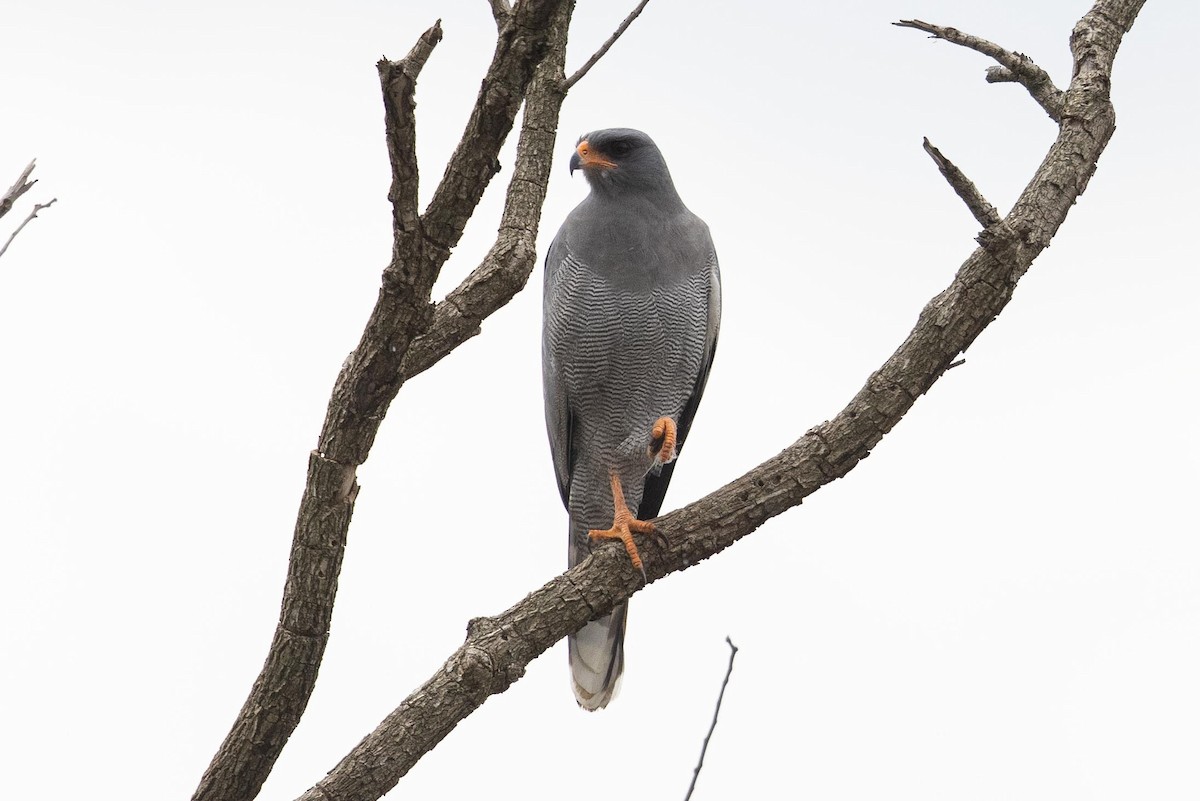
<point>733,649</point>
<point>368,382</point>
<point>599,54</point>
<point>1017,67</point>
<point>497,650</point>
<point>507,266</point>
<point>399,82</point>
<point>520,45</point>
<point>32,215</point>
<point>19,187</point>
<point>983,211</point>
<point>500,11</point>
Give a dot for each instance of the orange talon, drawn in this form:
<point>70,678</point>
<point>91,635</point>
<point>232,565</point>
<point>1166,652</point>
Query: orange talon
<point>625,525</point>
<point>662,440</point>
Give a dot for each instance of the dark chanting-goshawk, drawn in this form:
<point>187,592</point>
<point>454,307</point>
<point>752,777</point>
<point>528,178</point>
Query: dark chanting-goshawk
<point>631,311</point>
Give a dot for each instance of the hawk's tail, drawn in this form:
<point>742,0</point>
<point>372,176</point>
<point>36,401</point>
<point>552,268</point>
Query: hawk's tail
<point>597,658</point>
<point>597,651</point>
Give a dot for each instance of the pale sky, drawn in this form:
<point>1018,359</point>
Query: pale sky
<point>1003,601</point>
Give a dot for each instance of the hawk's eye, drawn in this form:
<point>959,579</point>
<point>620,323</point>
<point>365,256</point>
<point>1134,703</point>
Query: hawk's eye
<point>619,148</point>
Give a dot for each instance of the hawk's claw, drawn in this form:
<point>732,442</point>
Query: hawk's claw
<point>624,526</point>
<point>661,540</point>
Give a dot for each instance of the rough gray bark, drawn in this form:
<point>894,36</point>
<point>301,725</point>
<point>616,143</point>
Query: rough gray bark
<point>497,650</point>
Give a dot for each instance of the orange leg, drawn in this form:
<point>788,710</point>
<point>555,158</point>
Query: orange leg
<point>662,440</point>
<point>624,526</point>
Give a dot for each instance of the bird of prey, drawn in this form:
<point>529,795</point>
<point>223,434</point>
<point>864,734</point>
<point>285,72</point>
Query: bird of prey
<point>631,311</point>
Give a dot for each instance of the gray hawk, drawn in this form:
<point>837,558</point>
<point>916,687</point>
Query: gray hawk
<point>631,311</point>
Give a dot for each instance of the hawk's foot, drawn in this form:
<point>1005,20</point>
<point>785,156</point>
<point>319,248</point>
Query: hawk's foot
<point>662,440</point>
<point>625,525</point>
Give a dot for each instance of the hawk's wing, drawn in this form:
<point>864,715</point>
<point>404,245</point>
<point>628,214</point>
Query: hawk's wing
<point>656,483</point>
<point>559,422</point>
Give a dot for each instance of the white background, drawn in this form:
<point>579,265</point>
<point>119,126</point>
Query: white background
<point>1003,601</point>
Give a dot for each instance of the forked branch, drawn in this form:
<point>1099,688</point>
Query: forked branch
<point>497,650</point>
<point>14,193</point>
<point>403,336</point>
<point>507,266</point>
<point>19,187</point>
<point>369,381</point>
<point>30,217</point>
<point>1014,66</point>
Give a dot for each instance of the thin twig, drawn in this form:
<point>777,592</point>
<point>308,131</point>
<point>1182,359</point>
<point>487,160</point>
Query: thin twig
<point>1020,67</point>
<point>36,208</point>
<point>22,185</point>
<point>721,697</point>
<point>983,211</point>
<point>599,54</point>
